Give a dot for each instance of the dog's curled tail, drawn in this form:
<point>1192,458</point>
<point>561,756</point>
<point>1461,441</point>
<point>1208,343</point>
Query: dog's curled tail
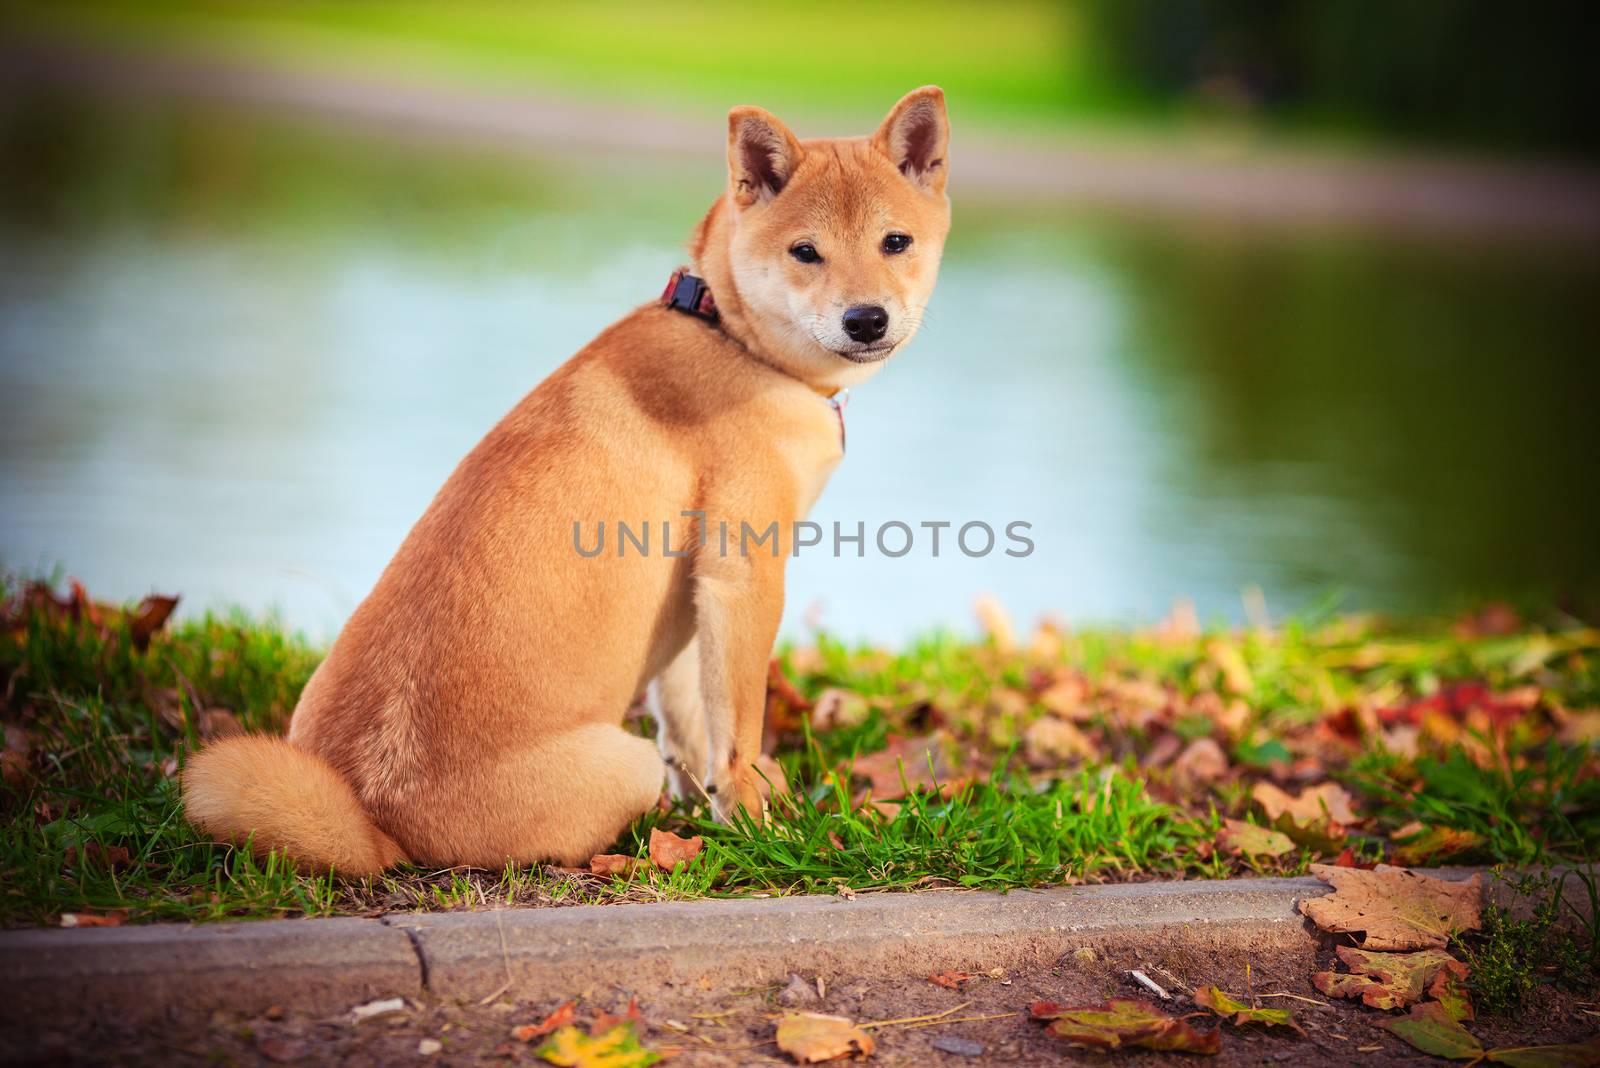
<point>265,791</point>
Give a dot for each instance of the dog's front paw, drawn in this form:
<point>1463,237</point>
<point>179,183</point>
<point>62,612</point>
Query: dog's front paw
<point>739,790</point>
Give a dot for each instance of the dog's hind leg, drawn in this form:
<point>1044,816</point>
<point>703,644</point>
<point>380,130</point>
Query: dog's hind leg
<point>563,799</point>
<point>681,728</point>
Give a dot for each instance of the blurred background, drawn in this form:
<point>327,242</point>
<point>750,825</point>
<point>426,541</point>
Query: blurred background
<point>1289,296</point>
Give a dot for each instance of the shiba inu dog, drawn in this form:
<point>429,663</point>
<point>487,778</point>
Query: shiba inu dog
<point>471,710</point>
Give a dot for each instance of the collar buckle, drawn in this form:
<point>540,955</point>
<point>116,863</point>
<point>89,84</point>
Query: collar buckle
<point>689,294</point>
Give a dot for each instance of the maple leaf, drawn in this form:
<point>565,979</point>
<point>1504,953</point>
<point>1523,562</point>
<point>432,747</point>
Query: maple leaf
<point>1124,1022</point>
<point>619,1047</point>
<point>1237,836</point>
<point>1239,1014</point>
<point>1317,818</point>
<point>668,851</point>
<point>810,1037</point>
<point>1398,909</point>
<point>1387,980</point>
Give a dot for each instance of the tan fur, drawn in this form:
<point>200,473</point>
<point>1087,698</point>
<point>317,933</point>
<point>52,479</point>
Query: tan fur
<point>473,703</point>
<point>289,800</point>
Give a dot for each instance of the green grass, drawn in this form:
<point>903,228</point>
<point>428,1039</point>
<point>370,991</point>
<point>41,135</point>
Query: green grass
<point>1559,942</point>
<point>1012,60</point>
<point>1478,739</point>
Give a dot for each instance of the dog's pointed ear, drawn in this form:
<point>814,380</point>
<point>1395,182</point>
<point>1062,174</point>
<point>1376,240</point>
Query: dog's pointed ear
<point>916,138</point>
<point>762,155</point>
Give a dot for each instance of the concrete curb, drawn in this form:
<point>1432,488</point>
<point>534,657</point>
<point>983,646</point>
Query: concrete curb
<point>139,973</point>
<point>328,965</point>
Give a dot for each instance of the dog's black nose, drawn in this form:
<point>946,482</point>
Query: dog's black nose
<point>866,323</point>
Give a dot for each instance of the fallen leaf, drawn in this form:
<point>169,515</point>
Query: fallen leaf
<point>905,765</point>
<point>93,919</point>
<point>1575,1055</point>
<point>1430,1029</point>
<point>1398,909</point>
<point>112,857</point>
<point>1202,762</point>
<point>668,851</point>
<point>1239,1014</point>
<point>1344,985</point>
<point>1434,843</point>
<point>1240,837</point>
<point>838,708</point>
<point>605,1021</point>
<point>810,1037</point>
<point>609,864</point>
<point>559,1017</point>
<point>1230,661</point>
<point>1124,1022</point>
<point>1317,818</point>
<point>1327,801</point>
<point>1050,742</point>
<point>149,617</point>
<point>952,980</point>
<point>1387,980</point>
<point>1449,989</point>
<point>1347,859</point>
<point>619,1047</point>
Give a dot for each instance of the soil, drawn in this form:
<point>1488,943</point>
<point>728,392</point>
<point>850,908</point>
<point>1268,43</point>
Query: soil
<point>699,1024</point>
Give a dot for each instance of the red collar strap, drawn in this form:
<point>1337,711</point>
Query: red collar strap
<point>690,295</point>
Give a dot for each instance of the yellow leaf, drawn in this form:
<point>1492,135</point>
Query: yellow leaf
<point>617,1048</point>
<point>810,1037</point>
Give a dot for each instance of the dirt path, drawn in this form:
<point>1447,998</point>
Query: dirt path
<point>1453,196</point>
<point>735,1026</point>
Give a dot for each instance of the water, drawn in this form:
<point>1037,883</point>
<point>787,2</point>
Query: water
<point>238,356</point>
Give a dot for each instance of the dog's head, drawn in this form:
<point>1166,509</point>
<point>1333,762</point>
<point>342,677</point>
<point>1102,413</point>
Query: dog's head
<point>834,245</point>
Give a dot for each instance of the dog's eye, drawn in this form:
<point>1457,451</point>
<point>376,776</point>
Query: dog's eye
<point>806,253</point>
<point>896,243</point>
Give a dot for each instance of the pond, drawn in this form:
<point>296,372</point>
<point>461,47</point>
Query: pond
<point>239,354</point>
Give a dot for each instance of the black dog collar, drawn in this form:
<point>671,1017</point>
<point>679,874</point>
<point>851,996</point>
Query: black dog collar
<point>690,295</point>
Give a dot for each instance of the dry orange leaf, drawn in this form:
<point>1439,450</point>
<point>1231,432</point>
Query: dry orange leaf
<point>668,851</point>
<point>93,919</point>
<point>1398,909</point>
<point>561,1017</point>
<point>605,1021</point>
<point>952,980</point>
<point>810,1037</point>
<point>614,864</point>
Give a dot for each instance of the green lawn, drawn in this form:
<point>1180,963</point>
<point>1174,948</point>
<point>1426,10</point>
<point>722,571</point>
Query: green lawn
<point>1068,756</point>
<point>1002,62</point>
